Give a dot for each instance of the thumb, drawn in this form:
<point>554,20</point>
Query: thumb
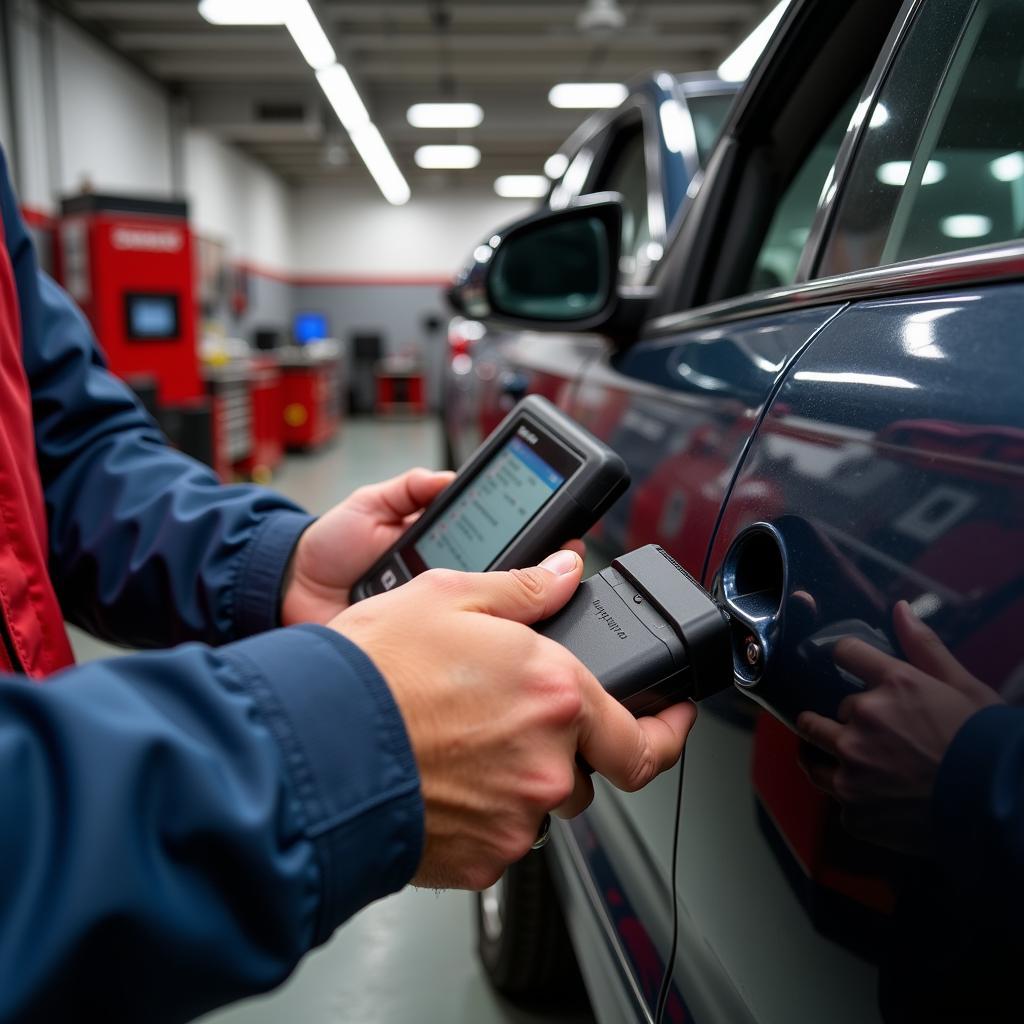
<point>528,595</point>
<point>401,495</point>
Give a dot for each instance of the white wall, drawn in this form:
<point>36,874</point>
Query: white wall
<point>237,200</point>
<point>344,232</point>
<point>114,124</point>
<point>30,165</point>
<point>5,128</point>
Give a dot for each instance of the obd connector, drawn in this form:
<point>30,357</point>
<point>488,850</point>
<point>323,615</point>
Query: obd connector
<point>648,631</point>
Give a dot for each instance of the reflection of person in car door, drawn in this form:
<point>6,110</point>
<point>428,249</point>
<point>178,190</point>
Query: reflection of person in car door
<point>929,761</point>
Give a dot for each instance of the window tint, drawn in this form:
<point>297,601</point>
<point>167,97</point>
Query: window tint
<point>779,254</point>
<point>708,113</point>
<point>626,173</point>
<point>942,164</point>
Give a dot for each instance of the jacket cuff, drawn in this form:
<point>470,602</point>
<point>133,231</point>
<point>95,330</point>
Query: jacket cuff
<point>977,799</point>
<point>257,606</point>
<point>349,761</point>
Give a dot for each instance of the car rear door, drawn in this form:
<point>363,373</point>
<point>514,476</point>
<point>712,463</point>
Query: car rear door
<point>894,453</point>
<point>887,467</point>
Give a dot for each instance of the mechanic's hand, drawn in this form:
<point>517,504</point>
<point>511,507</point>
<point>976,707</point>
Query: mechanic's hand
<point>496,712</point>
<point>886,748</point>
<point>335,552</point>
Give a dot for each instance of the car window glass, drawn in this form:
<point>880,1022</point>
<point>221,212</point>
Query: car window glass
<point>708,114</point>
<point>626,173</point>
<point>942,164</point>
<point>777,259</point>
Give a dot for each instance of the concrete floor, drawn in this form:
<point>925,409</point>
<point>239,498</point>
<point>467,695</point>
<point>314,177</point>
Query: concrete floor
<point>408,958</point>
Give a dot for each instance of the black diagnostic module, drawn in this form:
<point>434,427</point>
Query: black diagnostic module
<point>648,631</point>
<point>538,480</point>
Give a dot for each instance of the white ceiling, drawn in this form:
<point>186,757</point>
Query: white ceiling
<point>503,55</point>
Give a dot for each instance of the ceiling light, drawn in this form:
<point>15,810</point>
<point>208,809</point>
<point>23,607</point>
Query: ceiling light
<point>521,186</point>
<point>966,225</point>
<point>444,115</point>
<point>555,165</point>
<point>380,163</point>
<point>600,17</point>
<point>587,95</point>
<point>896,172</point>
<point>243,12</point>
<point>308,34</point>
<point>1008,168</point>
<point>343,97</point>
<point>438,158</point>
<point>738,65</point>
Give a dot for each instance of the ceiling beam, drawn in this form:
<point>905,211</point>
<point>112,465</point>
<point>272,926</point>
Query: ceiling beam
<point>271,40</point>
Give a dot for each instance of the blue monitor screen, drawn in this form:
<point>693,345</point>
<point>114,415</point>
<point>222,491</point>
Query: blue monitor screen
<point>310,327</point>
<point>151,316</point>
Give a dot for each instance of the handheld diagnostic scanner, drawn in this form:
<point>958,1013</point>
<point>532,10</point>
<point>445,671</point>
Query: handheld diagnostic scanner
<point>648,631</point>
<point>538,481</point>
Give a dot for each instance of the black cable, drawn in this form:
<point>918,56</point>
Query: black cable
<point>666,979</point>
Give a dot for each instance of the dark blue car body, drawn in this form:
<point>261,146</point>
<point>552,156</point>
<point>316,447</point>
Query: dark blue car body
<point>859,394</point>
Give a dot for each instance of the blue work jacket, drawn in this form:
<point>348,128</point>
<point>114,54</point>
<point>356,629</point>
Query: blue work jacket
<point>178,828</point>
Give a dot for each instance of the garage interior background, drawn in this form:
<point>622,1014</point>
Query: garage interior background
<point>146,97</point>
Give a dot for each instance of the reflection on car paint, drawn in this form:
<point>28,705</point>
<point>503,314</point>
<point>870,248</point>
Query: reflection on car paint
<point>635,942</point>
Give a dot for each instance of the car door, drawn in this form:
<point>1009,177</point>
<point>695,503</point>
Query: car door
<point>681,405</point>
<point>894,451</point>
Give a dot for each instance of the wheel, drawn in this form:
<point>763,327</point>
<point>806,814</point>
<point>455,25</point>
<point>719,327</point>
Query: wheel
<point>522,940</point>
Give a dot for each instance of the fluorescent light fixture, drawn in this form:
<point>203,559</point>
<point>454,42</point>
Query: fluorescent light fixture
<point>1008,168</point>
<point>738,65</point>
<point>555,165</point>
<point>243,12</point>
<point>444,115</point>
<point>437,158</point>
<point>896,172</point>
<point>521,186</point>
<point>308,34</point>
<point>343,97</point>
<point>371,146</point>
<point>587,95</point>
<point>966,225</point>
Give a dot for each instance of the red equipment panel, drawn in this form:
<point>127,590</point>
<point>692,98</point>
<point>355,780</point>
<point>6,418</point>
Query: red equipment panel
<point>129,264</point>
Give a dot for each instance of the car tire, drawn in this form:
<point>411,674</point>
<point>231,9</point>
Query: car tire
<point>522,940</point>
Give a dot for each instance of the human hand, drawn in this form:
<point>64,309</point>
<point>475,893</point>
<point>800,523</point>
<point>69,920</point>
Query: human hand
<point>336,550</point>
<point>886,748</point>
<point>496,712</point>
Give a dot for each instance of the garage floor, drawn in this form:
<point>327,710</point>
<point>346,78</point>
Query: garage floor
<point>408,958</point>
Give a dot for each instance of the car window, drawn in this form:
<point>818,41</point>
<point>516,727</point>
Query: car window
<point>777,259</point>
<point>942,164</point>
<point>625,172</point>
<point>708,114</point>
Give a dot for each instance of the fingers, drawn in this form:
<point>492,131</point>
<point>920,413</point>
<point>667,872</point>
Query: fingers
<point>582,796</point>
<point>402,495</point>
<point>867,663</point>
<point>927,652</point>
<point>822,732</point>
<point>525,595</point>
<point>627,751</point>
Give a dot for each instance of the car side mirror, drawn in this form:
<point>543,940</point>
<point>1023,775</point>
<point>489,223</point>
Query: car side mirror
<point>556,270</point>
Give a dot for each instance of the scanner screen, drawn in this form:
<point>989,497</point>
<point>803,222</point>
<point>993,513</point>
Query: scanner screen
<point>507,493</point>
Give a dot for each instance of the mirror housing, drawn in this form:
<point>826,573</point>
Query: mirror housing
<point>556,270</point>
